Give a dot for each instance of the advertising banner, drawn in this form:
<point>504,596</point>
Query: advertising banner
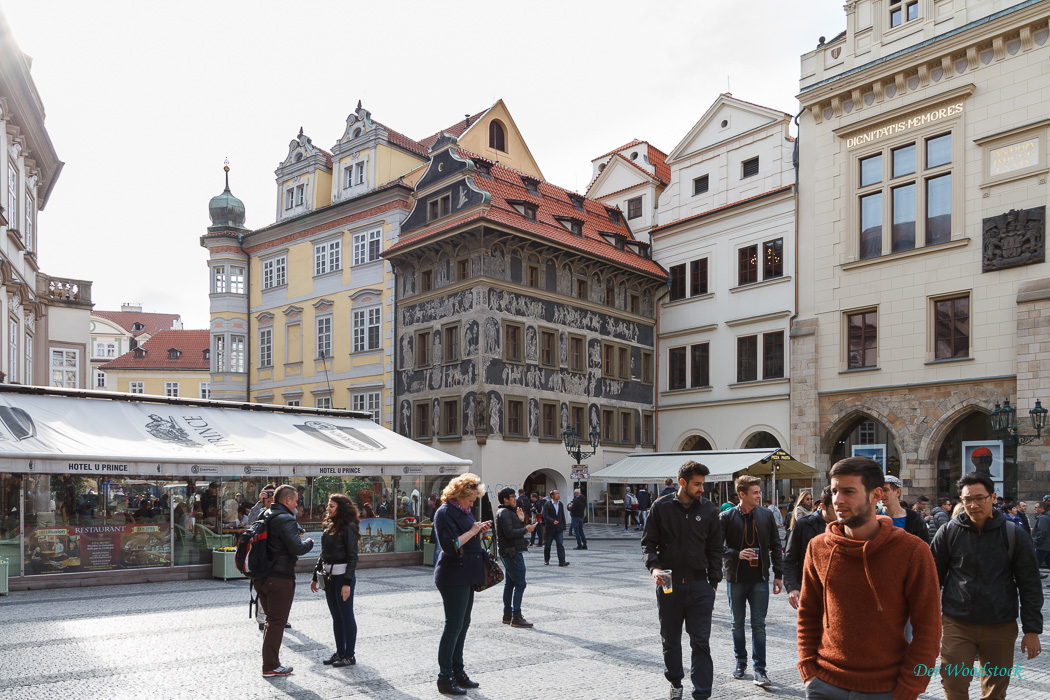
<point>52,550</point>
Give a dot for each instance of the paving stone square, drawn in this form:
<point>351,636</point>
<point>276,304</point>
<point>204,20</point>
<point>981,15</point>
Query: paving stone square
<point>596,637</point>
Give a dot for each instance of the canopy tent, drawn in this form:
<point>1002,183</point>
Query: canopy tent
<point>50,430</point>
<point>725,465</point>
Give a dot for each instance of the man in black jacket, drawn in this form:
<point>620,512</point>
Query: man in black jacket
<point>537,513</point>
<point>578,511</point>
<point>751,541</point>
<point>278,588</point>
<point>940,516</point>
<point>668,488</point>
<point>806,528</point>
<point>554,524</point>
<point>984,562</point>
<point>682,546</point>
<point>510,536</point>
<point>905,518</point>
<point>645,501</point>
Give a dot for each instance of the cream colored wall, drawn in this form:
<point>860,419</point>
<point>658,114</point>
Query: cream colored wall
<point>322,189</point>
<point>189,382</point>
<point>392,163</point>
<point>517,155</point>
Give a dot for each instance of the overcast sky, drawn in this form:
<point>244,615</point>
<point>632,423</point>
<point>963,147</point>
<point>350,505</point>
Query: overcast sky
<point>145,100</point>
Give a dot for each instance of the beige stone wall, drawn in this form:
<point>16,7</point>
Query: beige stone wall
<point>1033,382</point>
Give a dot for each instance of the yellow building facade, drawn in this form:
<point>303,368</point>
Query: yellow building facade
<point>173,363</point>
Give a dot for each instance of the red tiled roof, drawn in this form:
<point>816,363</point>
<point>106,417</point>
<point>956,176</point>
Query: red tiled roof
<point>396,137</point>
<point>191,344</point>
<point>457,130</point>
<point>635,142</point>
<point>152,323</point>
<point>506,184</point>
<point>737,203</point>
<point>658,159</point>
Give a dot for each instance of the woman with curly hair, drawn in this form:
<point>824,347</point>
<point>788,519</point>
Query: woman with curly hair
<point>459,567</point>
<point>335,573</point>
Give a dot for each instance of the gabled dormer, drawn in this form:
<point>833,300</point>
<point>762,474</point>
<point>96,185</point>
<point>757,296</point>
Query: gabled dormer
<point>446,189</point>
<point>493,135</point>
<point>304,178</point>
<point>370,154</point>
<point>631,179</point>
<point>726,119</point>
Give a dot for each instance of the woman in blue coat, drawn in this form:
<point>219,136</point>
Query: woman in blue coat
<point>459,567</point>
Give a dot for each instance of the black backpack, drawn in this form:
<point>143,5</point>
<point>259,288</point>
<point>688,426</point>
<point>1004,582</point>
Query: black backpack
<point>253,557</point>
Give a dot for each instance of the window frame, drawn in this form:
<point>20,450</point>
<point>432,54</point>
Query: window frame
<point>703,350</point>
<point>677,282</point>
<point>450,419</point>
<point>172,389</point>
<point>520,405</point>
<point>673,374</point>
<point>63,367</point>
<point>450,351</point>
<point>555,408</point>
<point>581,367</point>
<point>696,274</point>
<point>747,358</point>
<point>136,386</point>
<point>366,246</point>
<point>366,327</point>
<point>847,340</point>
<point>625,425</point>
<point>702,180</point>
<point>275,272</point>
<point>328,256</point>
<point>204,390</point>
<point>607,417</point>
<point>647,374</point>
<point>934,325</point>
<point>421,419</point>
<point>423,355</point>
<point>517,358</point>
<point>324,336</point>
<point>365,399</point>
<point>551,362</point>
<point>746,165</point>
<point>634,207</point>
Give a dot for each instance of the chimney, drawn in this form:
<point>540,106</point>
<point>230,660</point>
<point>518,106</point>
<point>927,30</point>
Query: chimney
<point>468,120</point>
<point>135,308</point>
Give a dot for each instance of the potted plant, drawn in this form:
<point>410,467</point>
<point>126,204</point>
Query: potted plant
<point>222,563</point>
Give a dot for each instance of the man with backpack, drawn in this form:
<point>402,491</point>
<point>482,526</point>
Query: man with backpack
<point>984,563</point>
<point>265,501</point>
<point>630,510</point>
<point>276,587</point>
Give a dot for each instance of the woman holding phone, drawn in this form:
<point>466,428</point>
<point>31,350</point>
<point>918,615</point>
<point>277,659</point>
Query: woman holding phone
<point>336,569</point>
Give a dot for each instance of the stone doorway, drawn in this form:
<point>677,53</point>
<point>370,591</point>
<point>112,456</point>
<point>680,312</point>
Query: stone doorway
<point>872,439</point>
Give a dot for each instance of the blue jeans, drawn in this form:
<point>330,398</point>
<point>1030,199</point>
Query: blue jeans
<point>343,623</point>
<point>552,537</point>
<point>691,603</point>
<point>458,601</point>
<point>576,528</point>
<point>513,584</point>
<point>756,597</point>
<point>537,532</point>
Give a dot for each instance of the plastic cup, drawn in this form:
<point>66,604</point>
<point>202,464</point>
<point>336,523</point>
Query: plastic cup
<point>666,584</point>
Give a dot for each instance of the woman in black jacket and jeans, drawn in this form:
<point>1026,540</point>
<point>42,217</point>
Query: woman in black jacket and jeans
<point>337,566</point>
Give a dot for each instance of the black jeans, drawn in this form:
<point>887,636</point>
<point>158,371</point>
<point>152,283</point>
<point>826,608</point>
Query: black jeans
<point>458,601</point>
<point>691,603</point>
<point>343,623</point>
<point>554,537</point>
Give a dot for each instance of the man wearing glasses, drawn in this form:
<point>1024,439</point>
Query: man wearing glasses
<point>984,563</point>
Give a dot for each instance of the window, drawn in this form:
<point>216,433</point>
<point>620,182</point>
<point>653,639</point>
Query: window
<point>608,425</point>
<point>300,195</point>
<point>237,356</point>
<point>439,207</point>
<point>348,177</point>
<point>576,421</point>
<point>513,347</point>
<point>902,11</point>
<point>205,390</point>
<point>549,421</point>
<point>866,433</point>
<point>677,282</point>
<point>951,327</point>
<point>647,367</point>
<point>610,295</point>
<point>328,257</point>
<point>423,349</point>
<point>219,279</point>
<point>747,265</point>
<point>450,418</point>
<point>136,387</point>
<point>220,353</point>
<point>100,379</point>
<point>698,277</point>
<point>293,402</point>
<point>236,279</point>
<point>366,326</point>
<point>699,185</point>
<point>274,272</point>
<point>634,208</point>
<point>773,259</point>
<point>529,211</point>
<point>171,389</point>
<point>29,359</point>
<point>700,365</point>
<point>749,168</point>
<point>648,433</point>
<point>575,226</point>
<point>463,269</point>
<point>516,417</point>
<point>577,354</point>
<point>426,280</point>
<point>367,401</point>
<point>323,402</point>
<point>27,232</point>
<point>747,358</point>
<point>266,347</point>
<point>627,427</point>
<point>634,304</point>
<point>623,362</point>
<point>450,344</point>
<point>12,194</point>
<point>913,194</point>
<point>532,276</point>
<point>359,170</point>
<point>773,355</point>
<point>581,288</point>
<point>549,349</point>
<point>324,337</point>
<point>676,368</point>
<point>497,139</point>
<point>289,199</point>
<point>65,368</point>
<point>367,246</point>
<point>174,354</point>
<point>609,360</point>
<point>861,339</point>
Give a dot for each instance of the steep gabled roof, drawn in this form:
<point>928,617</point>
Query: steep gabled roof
<point>683,147</point>
<point>190,345</point>
<point>399,139</point>
<point>457,129</point>
<point>151,323</point>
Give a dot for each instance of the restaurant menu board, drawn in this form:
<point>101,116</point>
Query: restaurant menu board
<point>52,550</point>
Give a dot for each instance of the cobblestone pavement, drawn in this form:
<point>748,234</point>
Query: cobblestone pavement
<point>595,638</point>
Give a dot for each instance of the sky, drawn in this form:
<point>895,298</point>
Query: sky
<point>145,101</point>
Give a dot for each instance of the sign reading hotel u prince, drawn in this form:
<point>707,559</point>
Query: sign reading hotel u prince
<point>1013,239</point>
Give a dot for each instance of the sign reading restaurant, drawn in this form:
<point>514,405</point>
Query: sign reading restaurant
<point>903,125</point>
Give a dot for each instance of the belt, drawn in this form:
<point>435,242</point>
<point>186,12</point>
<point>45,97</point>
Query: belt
<point>688,578</point>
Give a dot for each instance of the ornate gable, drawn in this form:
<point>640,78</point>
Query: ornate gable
<point>725,119</point>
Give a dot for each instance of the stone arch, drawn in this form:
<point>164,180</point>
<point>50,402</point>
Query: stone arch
<point>551,479</point>
<point>852,410</point>
<point>952,410</point>
<point>685,440</point>
<point>754,430</point>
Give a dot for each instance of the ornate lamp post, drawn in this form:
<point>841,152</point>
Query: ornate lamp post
<point>1004,424</point>
<point>572,443</point>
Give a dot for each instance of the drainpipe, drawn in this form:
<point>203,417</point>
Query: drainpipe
<point>795,156</point>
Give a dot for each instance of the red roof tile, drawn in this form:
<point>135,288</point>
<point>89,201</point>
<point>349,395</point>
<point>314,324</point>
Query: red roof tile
<point>658,159</point>
<point>724,206</point>
<point>635,142</point>
<point>152,323</point>
<point>457,129</point>
<point>552,203</point>
<point>191,345</point>
<point>396,137</point>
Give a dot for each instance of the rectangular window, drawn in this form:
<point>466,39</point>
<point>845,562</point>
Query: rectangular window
<point>293,402</point>
<point>300,195</point>
<point>423,349</point>
<point>634,303</point>
<point>700,365</point>
<point>205,390</point>
<point>676,368</point>
<point>608,361</point>
<point>581,288</point>
<point>360,169</point>
<point>516,417</point>
<point>367,246</point>
<point>450,344</point>
<point>27,234</point>
<point>939,209</point>
<point>677,283</point>
<point>218,285</point>
<point>323,402</point>
<point>634,208</point>
<point>236,279</point>
<point>439,207</point>
<point>627,427</point>
<point>749,168</point>
<point>647,367</point>
<point>513,342</point>
<point>773,259</point>
<point>274,272</point>
<point>450,418</point>
<point>348,177</point>
<point>368,401</point>
<point>577,354</point>
<point>773,355</point>
<point>862,339</point>
<point>902,234</point>
<point>533,276</point>
<point>623,363</point>
<point>12,194</point>
<point>747,265</point>
<point>324,337</point>
<point>29,360</point>
<point>463,269</point>
<point>951,327</point>
<point>610,297</point>
<point>608,425</point>
<point>549,421</point>
<point>866,433</point>
<point>328,257</point>
<point>699,185</point>
<point>289,199</point>
<point>220,353</point>
<point>426,280</point>
<point>266,347</point>
<point>65,368</point>
<point>171,389</point>
<point>577,422</point>
<point>871,226</point>
<point>902,11</point>
<point>237,355</point>
<point>365,329</point>
<point>136,387</point>
<point>14,359</point>
<point>421,420</point>
<point>698,277</point>
<point>747,358</point>
<point>648,434</point>
<point>549,349</point>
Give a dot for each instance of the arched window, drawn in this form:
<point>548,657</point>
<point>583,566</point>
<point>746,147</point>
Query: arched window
<point>497,139</point>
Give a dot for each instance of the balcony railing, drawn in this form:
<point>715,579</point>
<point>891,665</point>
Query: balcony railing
<point>62,290</point>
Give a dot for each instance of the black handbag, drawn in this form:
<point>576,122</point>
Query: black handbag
<point>493,574</point>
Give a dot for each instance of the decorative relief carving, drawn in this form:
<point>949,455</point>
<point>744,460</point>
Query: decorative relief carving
<point>1014,239</point>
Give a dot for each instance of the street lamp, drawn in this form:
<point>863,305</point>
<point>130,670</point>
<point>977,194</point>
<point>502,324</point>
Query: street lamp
<point>572,443</point>
<point>1004,424</point>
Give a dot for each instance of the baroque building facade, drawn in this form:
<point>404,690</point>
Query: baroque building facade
<point>522,310</point>
<point>924,290</point>
<point>173,363</point>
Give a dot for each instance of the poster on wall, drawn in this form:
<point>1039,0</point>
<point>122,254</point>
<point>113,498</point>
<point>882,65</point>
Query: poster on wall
<point>984,456</point>
<point>52,550</point>
<point>875,452</point>
<point>377,536</point>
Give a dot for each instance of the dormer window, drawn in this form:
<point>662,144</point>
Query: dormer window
<point>173,353</point>
<point>530,212</point>
<point>289,198</point>
<point>137,326</point>
<point>574,226</point>
<point>359,173</point>
<point>533,186</point>
<point>577,201</point>
<point>526,209</point>
<point>483,168</point>
<point>439,207</point>
<point>614,214</point>
<point>140,353</point>
<point>207,353</point>
<point>348,177</point>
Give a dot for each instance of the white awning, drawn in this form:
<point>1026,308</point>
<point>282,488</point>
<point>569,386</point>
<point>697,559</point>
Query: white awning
<point>89,432</point>
<point>724,465</point>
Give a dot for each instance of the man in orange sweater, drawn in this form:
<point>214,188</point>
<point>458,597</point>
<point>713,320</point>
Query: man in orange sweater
<point>863,568</point>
